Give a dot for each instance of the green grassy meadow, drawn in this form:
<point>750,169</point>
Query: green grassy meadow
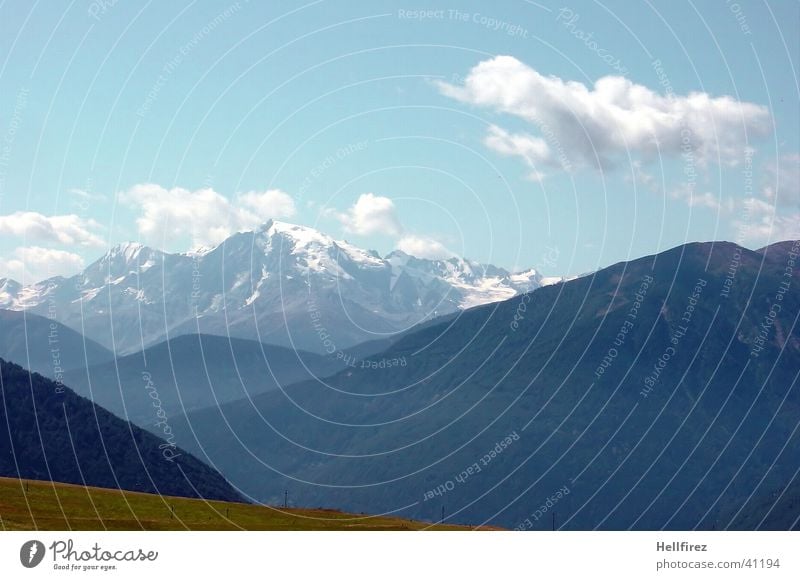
<point>43,505</point>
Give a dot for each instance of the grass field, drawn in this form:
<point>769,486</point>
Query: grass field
<point>42,505</point>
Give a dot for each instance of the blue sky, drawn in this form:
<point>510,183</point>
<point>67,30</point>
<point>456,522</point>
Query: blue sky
<point>565,136</point>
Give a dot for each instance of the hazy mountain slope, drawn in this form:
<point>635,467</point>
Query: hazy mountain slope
<point>45,345</point>
<point>635,442</point>
<point>51,433</point>
<point>191,372</point>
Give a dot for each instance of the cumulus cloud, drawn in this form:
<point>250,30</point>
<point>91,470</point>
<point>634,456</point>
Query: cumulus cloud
<point>86,195</point>
<point>534,151</point>
<point>782,183</point>
<point>33,263</point>
<point>773,214</point>
<point>371,214</point>
<point>272,203</point>
<point>600,125</point>
<point>692,198</point>
<point>639,176</point>
<point>374,214</point>
<point>759,222</point>
<point>64,229</point>
<point>203,215</point>
<point>424,247</point>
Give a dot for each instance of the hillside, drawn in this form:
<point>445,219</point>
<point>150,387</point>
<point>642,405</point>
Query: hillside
<point>653,393</point>
<point>191,372</point>
<point>39,505</point>
<point>46,346</point>
<point>51,433</point>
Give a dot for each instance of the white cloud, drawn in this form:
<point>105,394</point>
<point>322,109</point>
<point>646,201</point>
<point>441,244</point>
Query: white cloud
<point>601,124</point>
<point>773,214</point>
<point>760,222</point>
<point>705,199</point>
<point>533,150</point>
<point>65,229</point>
<point>204,215</point>
<point>371,214</point>
<point>33,263</point>
<point>639,176</point>
<point>424,247</point>
<point>782,183</point>
<point>272,203</point>
<point>692,198</point>
<point>86,195</point>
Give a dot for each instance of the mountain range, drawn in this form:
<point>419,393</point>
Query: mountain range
<point>282,284</point>
<point>660,393</point>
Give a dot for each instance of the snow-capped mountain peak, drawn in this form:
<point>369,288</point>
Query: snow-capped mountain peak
<point>9,292</point>
<point>127,250</point>
<point>306,240</point>
<point>282,283</point>
<point>122,260</point>
<point>300,236</point>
